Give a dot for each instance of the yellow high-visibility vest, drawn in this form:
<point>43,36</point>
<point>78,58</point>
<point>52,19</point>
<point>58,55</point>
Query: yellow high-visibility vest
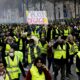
<point>35,74</point>
<point>19,54</point>
<point>43,48</point>
<point>35,34</point>
<point>59,52</point>
<point>66,32</point>
<point>12,66</point>
<point>29,54</point>
<point>73,48</point>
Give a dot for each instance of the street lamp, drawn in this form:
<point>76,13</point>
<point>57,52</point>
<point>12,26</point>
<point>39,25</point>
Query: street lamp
<point>40,4</point>
<point>75,7</point>
<point>26,2</point>
<point>59,13</point>
<point>54,10</point>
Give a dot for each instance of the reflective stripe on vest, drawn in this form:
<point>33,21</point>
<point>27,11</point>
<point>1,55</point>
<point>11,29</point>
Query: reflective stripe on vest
<point>35,74</point>
<point>29,54</point>
<point>29,58</point>
<point>56,35</point>
<point>12,66</point>
<point>16,39</point>
<point>20,44</point>
<point>51,34</point>
<point>59,52</point>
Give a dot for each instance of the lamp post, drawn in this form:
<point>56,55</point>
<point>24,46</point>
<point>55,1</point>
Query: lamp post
<point>79,8</point>
<point>26,4</point>
<point>40,4</point>
<point>54,10</point>
<point>59,13</point>
<point>75,7</point>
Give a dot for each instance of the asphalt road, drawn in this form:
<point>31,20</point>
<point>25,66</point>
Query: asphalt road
<point>71,77</point>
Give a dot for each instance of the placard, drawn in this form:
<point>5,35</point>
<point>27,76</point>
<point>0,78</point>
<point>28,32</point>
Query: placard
<point>36,17</point>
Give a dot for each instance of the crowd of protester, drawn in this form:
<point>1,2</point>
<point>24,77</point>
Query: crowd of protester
<point>29,42</point>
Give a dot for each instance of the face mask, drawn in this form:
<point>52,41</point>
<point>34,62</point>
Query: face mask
<point>11,54</point>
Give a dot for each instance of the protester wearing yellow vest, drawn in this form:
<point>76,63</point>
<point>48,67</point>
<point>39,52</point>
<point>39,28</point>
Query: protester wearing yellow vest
<point>32,51</point>
<point>56,32</point>
<point>72,50</point>
<point>12,65</point>
<point>19,54</point>
<point>43,32</point>
<point>43,45</point>
<point>65,32</point>
<point>9,42</point>
<point>59,57</point>
<point>38,71</point>
<point>35,33</point>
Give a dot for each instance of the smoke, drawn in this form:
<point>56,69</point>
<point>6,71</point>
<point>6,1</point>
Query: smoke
<point>11,10</point>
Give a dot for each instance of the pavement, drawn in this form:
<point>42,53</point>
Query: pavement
<point>71,77</point>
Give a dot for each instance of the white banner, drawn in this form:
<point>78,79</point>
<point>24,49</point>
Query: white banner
<point>36,17</point>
